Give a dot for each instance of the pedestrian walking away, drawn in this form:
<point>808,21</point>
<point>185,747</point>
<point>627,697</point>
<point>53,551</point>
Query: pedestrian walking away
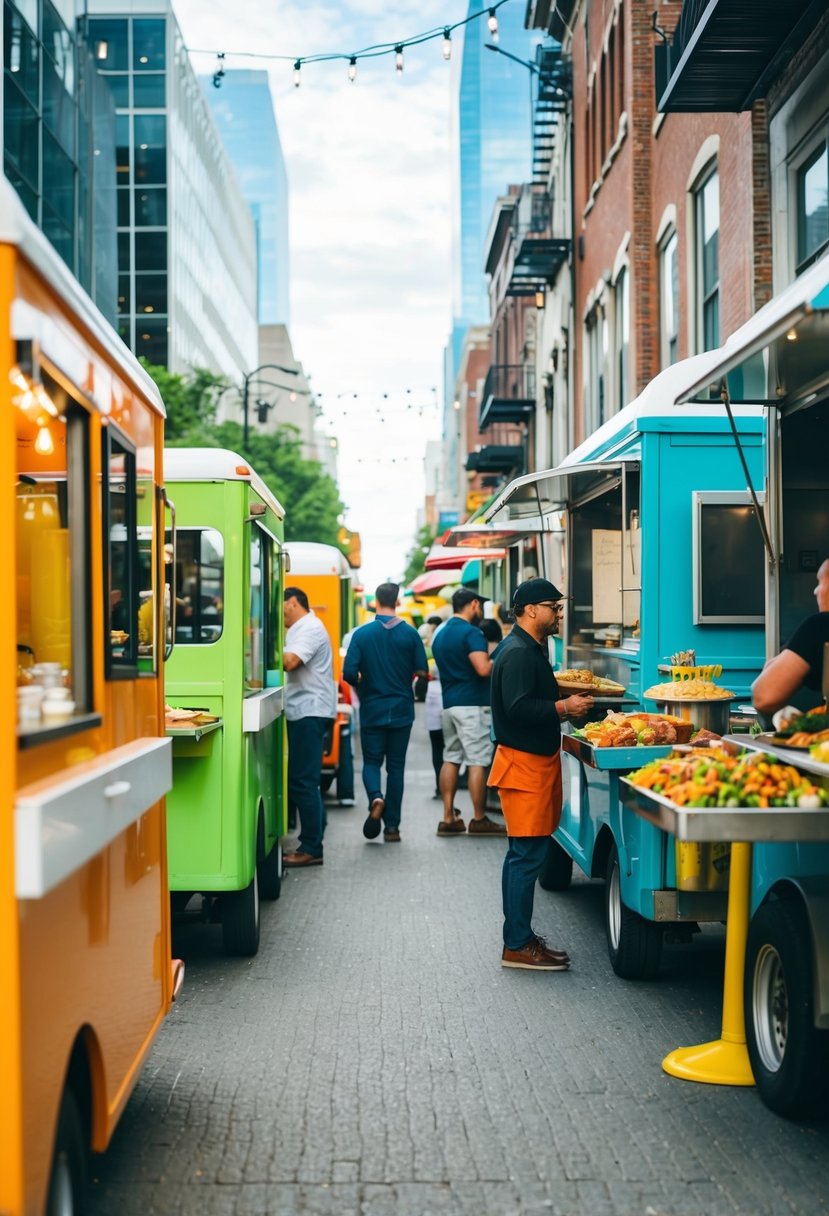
<point>383,659</point>
<point>310,709</point>
<point>460,651</point>
<point>527,710</point>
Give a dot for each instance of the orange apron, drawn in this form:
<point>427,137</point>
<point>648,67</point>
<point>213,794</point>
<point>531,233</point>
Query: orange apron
<point>530,790</point>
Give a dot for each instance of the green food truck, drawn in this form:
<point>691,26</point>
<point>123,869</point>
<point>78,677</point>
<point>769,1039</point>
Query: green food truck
<point>225,692</point>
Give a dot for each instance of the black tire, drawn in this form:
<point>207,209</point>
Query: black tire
<point>327,780</point>
<point>241,920</point>
<point>270,873</point>
<point>67,1178</point>
<point>634,944</point>
<point>789,1055</point>
<point>345,770</point>
<point>557,871</point>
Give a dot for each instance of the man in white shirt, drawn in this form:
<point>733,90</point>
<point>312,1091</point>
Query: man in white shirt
<point>310,708</point>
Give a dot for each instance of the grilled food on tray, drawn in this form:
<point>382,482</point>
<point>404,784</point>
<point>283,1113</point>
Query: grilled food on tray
<point>630,730</point>
<point>581,679</point>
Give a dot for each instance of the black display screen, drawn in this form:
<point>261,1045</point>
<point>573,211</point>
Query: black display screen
<point>731,564</point>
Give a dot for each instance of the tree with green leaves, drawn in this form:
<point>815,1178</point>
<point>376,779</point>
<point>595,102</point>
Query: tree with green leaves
<point>313,508</point>
<point>416,558</point>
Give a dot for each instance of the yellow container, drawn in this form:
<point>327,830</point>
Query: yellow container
<point>702,867</point>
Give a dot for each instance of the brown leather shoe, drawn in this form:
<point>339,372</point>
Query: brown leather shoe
<point>391,837</point>
<point>485,827</point>
<point>371,827</point>
<point>532,957</point>
<point>456,828</point>
<point>296,860</point>
<point>561,956</point>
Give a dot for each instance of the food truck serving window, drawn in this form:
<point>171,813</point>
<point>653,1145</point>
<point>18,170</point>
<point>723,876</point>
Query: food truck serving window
<point>54,685</point>
<point>200,586</point>
<point>121,569</point>
<point>729,560</point>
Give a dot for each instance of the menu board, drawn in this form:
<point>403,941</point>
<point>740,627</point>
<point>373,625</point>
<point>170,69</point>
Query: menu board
<point>615,566</point>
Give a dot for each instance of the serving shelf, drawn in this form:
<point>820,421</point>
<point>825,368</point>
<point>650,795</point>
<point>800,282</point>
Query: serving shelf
<point>188,731</point>
<point>609,758</point>
<point>794,756</point>
<point>749,824</point>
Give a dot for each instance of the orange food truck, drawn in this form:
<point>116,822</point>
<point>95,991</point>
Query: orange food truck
<point>85,969</point>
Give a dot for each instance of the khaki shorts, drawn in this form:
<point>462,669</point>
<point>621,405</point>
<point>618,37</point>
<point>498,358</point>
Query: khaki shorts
<point>466,735</point>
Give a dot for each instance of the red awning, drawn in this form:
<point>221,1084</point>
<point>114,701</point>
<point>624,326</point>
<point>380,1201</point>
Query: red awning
<point>433,580</point>
<point>446,557</point>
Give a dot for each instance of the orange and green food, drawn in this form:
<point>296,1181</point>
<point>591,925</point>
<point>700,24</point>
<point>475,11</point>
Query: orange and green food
<point>718,779</point>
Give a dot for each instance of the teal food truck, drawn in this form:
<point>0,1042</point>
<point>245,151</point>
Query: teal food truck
<point>224,690</point>
<point>648,529</point>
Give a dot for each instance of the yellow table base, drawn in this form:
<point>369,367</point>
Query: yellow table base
<point>725,1060</point>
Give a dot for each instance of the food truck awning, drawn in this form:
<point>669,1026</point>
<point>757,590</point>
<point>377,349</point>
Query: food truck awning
<point>475,536</point>
<point>447,557</point>
<point>542,494</point>
<point>781,355</point>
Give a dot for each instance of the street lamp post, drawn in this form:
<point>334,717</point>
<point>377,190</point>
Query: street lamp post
<point>246,381</point>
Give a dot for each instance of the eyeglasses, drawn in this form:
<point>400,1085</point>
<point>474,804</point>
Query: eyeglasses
<point>559,608</point>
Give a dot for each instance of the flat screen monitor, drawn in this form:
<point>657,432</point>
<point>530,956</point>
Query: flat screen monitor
<point>729,560</point>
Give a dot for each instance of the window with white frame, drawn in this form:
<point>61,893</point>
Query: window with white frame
<point>812,207</point>
<point>668,300</point>
<point>595,365</point>
<point>622,333</point>
<point>707,233</point>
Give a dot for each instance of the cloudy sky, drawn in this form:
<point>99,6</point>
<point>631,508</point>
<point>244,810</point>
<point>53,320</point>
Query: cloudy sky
<point>369,171</point>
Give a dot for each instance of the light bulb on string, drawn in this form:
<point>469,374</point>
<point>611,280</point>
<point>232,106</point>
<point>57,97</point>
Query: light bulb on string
<point>352,69</point>
<point>398,60</point>
<point>492,23</point>
<point>447,43</point>
<point>297,73</point>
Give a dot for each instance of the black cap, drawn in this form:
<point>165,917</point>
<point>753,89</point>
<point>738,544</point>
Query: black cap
<point>535,591</point>
<point>464,596</point>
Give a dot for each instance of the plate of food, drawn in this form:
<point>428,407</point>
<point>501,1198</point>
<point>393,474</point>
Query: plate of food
<point>581,679</point>
<point>118,637</point>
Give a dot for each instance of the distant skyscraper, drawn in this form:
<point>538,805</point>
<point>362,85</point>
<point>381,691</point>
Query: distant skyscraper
<point>243,111</point>
<point>492,148</point>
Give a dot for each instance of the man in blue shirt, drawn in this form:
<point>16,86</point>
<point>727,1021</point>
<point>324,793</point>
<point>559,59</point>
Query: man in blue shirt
<point>382,660</point>
<point>460,650</point>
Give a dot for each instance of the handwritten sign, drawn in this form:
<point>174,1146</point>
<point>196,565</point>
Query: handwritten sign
<point>615,566</point>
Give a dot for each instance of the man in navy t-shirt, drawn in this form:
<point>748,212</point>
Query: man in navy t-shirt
<point>382,660</point>
<point>460,651</point>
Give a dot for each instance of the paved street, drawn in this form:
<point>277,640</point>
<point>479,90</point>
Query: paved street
<point>375,1059</point>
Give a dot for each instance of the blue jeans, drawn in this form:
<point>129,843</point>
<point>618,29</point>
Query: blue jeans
<point>522,865</point>
<point>387,743</point>
<point>306,738</point>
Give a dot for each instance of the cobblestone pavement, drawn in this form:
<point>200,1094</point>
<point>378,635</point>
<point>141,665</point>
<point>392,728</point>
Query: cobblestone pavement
<point>374,1059</point>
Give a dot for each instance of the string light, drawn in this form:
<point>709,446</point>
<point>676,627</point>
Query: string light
<point>397,48</point>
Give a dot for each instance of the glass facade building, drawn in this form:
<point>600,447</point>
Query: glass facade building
<point>243,111</point>
<point>59,138</point>
<point>186,240</point>
<point>493,141</point>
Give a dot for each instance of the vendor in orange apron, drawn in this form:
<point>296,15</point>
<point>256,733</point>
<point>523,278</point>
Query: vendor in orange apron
<point>527,710</point>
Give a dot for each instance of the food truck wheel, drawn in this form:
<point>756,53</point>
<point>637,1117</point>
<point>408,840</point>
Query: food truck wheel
<point>633,943</point>
<point>789,1055</point>
<point>557,871</point>
<point>240,920</point>
<point>269,868</point>
<point>67,1180</point>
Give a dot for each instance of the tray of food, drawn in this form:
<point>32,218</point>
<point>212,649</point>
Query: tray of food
<point>803,731</point>
<point>639,736</point>
<point>190,722</point>
<point>581,679</point>
<point>726,794</point>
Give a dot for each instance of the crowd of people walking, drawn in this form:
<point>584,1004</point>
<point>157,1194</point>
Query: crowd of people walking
<point>492,705</point>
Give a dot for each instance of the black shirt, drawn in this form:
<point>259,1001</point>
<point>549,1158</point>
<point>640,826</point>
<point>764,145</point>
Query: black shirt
<point>523,696</point>
<point>808,641</point>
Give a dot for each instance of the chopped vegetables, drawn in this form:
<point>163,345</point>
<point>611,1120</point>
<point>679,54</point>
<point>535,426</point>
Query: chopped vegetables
<point>722,780</point>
